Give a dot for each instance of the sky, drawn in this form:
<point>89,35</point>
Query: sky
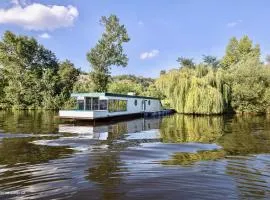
<point>160,30</point>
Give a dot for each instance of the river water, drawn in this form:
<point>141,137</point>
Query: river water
<point>174,157</point>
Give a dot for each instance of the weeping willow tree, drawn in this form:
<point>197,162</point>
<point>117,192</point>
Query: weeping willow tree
<point>199,90</point>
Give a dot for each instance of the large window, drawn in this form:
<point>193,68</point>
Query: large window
<point>116,105</point>
<point>103,104</point>
<point>95,104</point>
<point>80,104</point>
<point>92,103</point>
<point>88,103</point>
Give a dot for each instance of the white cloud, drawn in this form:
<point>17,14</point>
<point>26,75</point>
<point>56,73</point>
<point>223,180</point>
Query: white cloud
<point>150,54</point>
<point>37,16</point>
<point>234,23</point>
<point>45,36</point>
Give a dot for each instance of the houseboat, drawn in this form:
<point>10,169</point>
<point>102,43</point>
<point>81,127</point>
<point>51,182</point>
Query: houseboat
<point>93,106</point>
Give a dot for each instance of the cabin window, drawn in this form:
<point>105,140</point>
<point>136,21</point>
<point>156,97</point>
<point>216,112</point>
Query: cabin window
<point>95,104</point>
<point>149,102</point>
<point>116,105</point>
<point>103,104</point>
<point>135,102</point>
<point>80,104</point>
<point>88,103</point>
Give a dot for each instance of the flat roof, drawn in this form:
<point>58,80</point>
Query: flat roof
<point>107,94</point>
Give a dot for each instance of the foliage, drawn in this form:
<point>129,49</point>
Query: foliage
<point>211,61</point>
<point>162,72</point>
<point>83,84</point>
<point>68,75</point>
<point>145,82</point>
<point>250,81</point>
<point>185,128</point>
<point>125,86</point>
<point>31,77</point>
<point>195,91</point>
<point>238,49</point>
<point>242,84</point>
<point>186,62</point>
<point>107,52</point>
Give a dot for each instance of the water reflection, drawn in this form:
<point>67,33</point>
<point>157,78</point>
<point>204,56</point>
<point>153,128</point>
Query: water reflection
<point>246,135</point>
<point>35,122</point>
<point>156,158</point>
<point>185,128</point>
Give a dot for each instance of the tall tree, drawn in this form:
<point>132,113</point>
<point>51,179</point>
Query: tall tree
<point>107,52</point>
<point>68,75</point>
<point>186,62</point>
<point>239,49</point>
<point>211,60</point>
<point>24,61</point>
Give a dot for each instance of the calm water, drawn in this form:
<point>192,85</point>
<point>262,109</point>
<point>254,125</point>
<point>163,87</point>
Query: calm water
<point>174,157</point>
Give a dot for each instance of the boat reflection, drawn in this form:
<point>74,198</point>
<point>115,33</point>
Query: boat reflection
<point>129,130</point>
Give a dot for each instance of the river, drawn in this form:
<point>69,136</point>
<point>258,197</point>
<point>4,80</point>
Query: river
<point>173,157</point>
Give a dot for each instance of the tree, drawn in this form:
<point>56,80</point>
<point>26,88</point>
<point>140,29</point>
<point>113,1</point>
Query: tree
<point>30,75</point>
<point>237,50</point>
<point>145,82</point>
<point>211,61</point>
<point>125,86</point>
<point>162,72</point>
<point>186,62</point>
<point>107,52</point>
<point>199,90</point>
<point>68,75</point>
<point>83,84</point>
<point>24,62</point>
<point>249,81</point>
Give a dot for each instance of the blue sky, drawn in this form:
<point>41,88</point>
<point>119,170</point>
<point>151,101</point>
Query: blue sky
<point>160,30</point>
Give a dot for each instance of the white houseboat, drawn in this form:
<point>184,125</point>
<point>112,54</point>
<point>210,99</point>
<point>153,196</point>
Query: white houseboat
<point>103,105</point>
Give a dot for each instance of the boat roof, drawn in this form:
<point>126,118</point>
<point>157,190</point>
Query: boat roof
<point>98,94</point>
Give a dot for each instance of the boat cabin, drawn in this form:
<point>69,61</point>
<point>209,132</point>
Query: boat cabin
<point>103,105</point>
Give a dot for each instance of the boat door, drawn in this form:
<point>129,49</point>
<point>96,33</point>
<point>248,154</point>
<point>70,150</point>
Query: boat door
<point>143,105</point>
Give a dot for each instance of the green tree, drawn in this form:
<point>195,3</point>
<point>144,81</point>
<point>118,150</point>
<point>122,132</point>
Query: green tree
<point>211,61</point>
<point>107,52</point>
<point>125,86</point>
<point>145,82</point>
<point>250,85</point>
<point>199,90</point>
<point>68,75</point>
<point>30,75</point>
<point>186,62</point>
<point>237,50</point>
<point>24,62</point>
<point>162,72</point>
<point>83,84</point>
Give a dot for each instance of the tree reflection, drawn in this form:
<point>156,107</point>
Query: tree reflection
<point>246,135</point>
<point>182,128</point>
<point>108,172</point>
<point>28,121</point>
<point>20,150</point>
<point>191,158</point>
